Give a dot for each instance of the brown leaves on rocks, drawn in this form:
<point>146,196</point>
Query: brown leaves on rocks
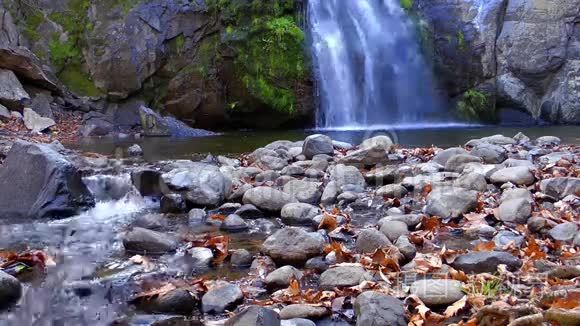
<point>17,263</point>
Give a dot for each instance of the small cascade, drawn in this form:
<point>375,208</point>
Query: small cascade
<point>368,66</point>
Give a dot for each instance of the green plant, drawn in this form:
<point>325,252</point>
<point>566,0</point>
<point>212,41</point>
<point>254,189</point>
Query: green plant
<point>461,40</point>
<point>488,288</point>
<point>407,4</point>
<point>475,105</point>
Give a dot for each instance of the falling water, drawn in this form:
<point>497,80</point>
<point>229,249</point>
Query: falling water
<point>369,66</point>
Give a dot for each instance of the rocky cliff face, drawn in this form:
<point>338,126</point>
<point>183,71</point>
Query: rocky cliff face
<point>519,54</point>
<point>178,57</point>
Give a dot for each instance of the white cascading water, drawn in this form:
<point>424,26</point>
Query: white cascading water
<point>369,67</point>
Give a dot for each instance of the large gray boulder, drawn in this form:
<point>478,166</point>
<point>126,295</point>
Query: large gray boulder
<point>490,153</point>
<point>304,191</point>
<point>201,184</point>
<point>450,201</point>
<point>293,246</point>
<point>268,199</point>
<point>27,66</point>
<point>376,308</point>
<point>560,187</point>
<point>317,144</point>
<point>518,175</point>
<point>12,94</point>
<point>345,176</point>
<point>36,181</point>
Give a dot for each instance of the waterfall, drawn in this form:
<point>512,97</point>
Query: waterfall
<point>368,66</point>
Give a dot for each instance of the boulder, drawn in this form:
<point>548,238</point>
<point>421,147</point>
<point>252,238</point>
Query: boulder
<point>345,176</point>
<point>394,229</point>
<point>10,290</point>
<point>486,262</point>
<point>450,202</point>
<point>504,237</point>
<point>222,297</point>
<point>201,184</point>
<point>241,257</point>
<point>368,156</point>
<point>376,308</point>
<point>268,162</point>
<point>140,240</point>
<point>516,193</point>
<point>406,248</point>
<point>293,246</point>
<point>369,240</point>
<point>254,316</point>
<point>490,153</point>
<point>560,187</point>
<point>234,223</point>
<point>438,292</point>
<point>471,181</point>
<point>443,156</point>
<point>282,277</point>
<point>392,191</point>
<point>4,113</point>
<point>303,311</point>
<point>518,175</point>
<point>178,301</point>
<point>456,163</point>
<point>26,65</point>
<point>564,231</point>
<point>304,191</point>
<point>330,193</point>
<point>12,94</point>
<point>249,211</point>
<point>548,141</point>
<point>299,214</point>
<point>268,199</point>
<point>36,181</point>
<point>35,123</point>
<point>317,144</point>
<point>344,275</point>
<point>516,210</point>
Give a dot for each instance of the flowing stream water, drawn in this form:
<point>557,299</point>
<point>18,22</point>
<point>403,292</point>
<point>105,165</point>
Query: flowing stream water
<point>368,66</point>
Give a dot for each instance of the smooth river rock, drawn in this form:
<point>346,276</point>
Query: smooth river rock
<point>343,276</point>
<point>486,262</point>
<point>438,292</point>
<point>376,308</point>
<point>268,199</point>
<point>293,246</point>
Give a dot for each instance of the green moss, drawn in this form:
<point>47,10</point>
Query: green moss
<point>78,81</point>
<point>33,21</point>
<point>461,40</point>
<point>407,4</point>
<point>475,105</point>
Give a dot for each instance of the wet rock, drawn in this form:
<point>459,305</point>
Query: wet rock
<point>150,221</point>
<point>319,264</point>
<point>201,256</point>
<point>521,138</point>
<point>560,187</point>
<point>486,262</point>
<point>519,175</point>
<point>293,170</point>
<point>249,211</point>
<point>419,182</point>
<point>299,214</point>
<point>317,144</point>
<point>234,223</point>
<point>135,150</point>
<point>483,169</point>
<point>411,220</point>
<point>347,197</point>
<point>443,156</point>
<point>303,311</point>
<point>314,173</point>
<point>516,193</point>
<point>382,176</point>
<point>268,199</point>
<point>241,257</point>
<point>456,163</point>
<point>394,229</point>
<point>495,139</point>
<point>430,167</point>
<point>564,231</point>
<point>10,290</point>
<point>36,181</point>
<point>490,153</point>
<point>376,308</point>
<point>221,298</point>
<point>36,123</point>
<point>282,277</point>
<point>471,181</point>
<point>178,301</point>
<point>275,163</point>
<point>172,204</point>
<point>141,240</point>
<point>293,246</point>
<point>196,215</point>
<point>438,292</point>
<point>347,175</point>
<point>510,163</point>
<point>516,210</point>
<point>297,322</point>
<point>342,145</point>
<point>343,276</point>
<point>147,182</point>
<point>392,191</point>
<point>255,316</point>
<point>503,238</point>
<point>370,240</point>
<point>330,193</point>
<point>304,191</point>
<point>548,141</point>
<point>228,208</point>
<point>450,202</point>
<point>407,249</point>
<point>202,184</point>
<point>538,224</point>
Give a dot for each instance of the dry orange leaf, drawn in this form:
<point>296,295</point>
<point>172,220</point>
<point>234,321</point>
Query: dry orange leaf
<point>328,223</point>
<point>484,246</point>
<point>455,308</point>
<point>570,301</point>
<point>533,250</point>
<point>430,223</point>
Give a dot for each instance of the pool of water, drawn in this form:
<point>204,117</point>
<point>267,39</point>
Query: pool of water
<point>246,141</point>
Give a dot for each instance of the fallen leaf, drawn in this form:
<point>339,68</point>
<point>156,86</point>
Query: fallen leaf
<point>455,308</point>
<point>484,246</point>
<point>328,223</point>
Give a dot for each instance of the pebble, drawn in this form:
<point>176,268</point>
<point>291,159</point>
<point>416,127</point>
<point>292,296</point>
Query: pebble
<point>438,292</point>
